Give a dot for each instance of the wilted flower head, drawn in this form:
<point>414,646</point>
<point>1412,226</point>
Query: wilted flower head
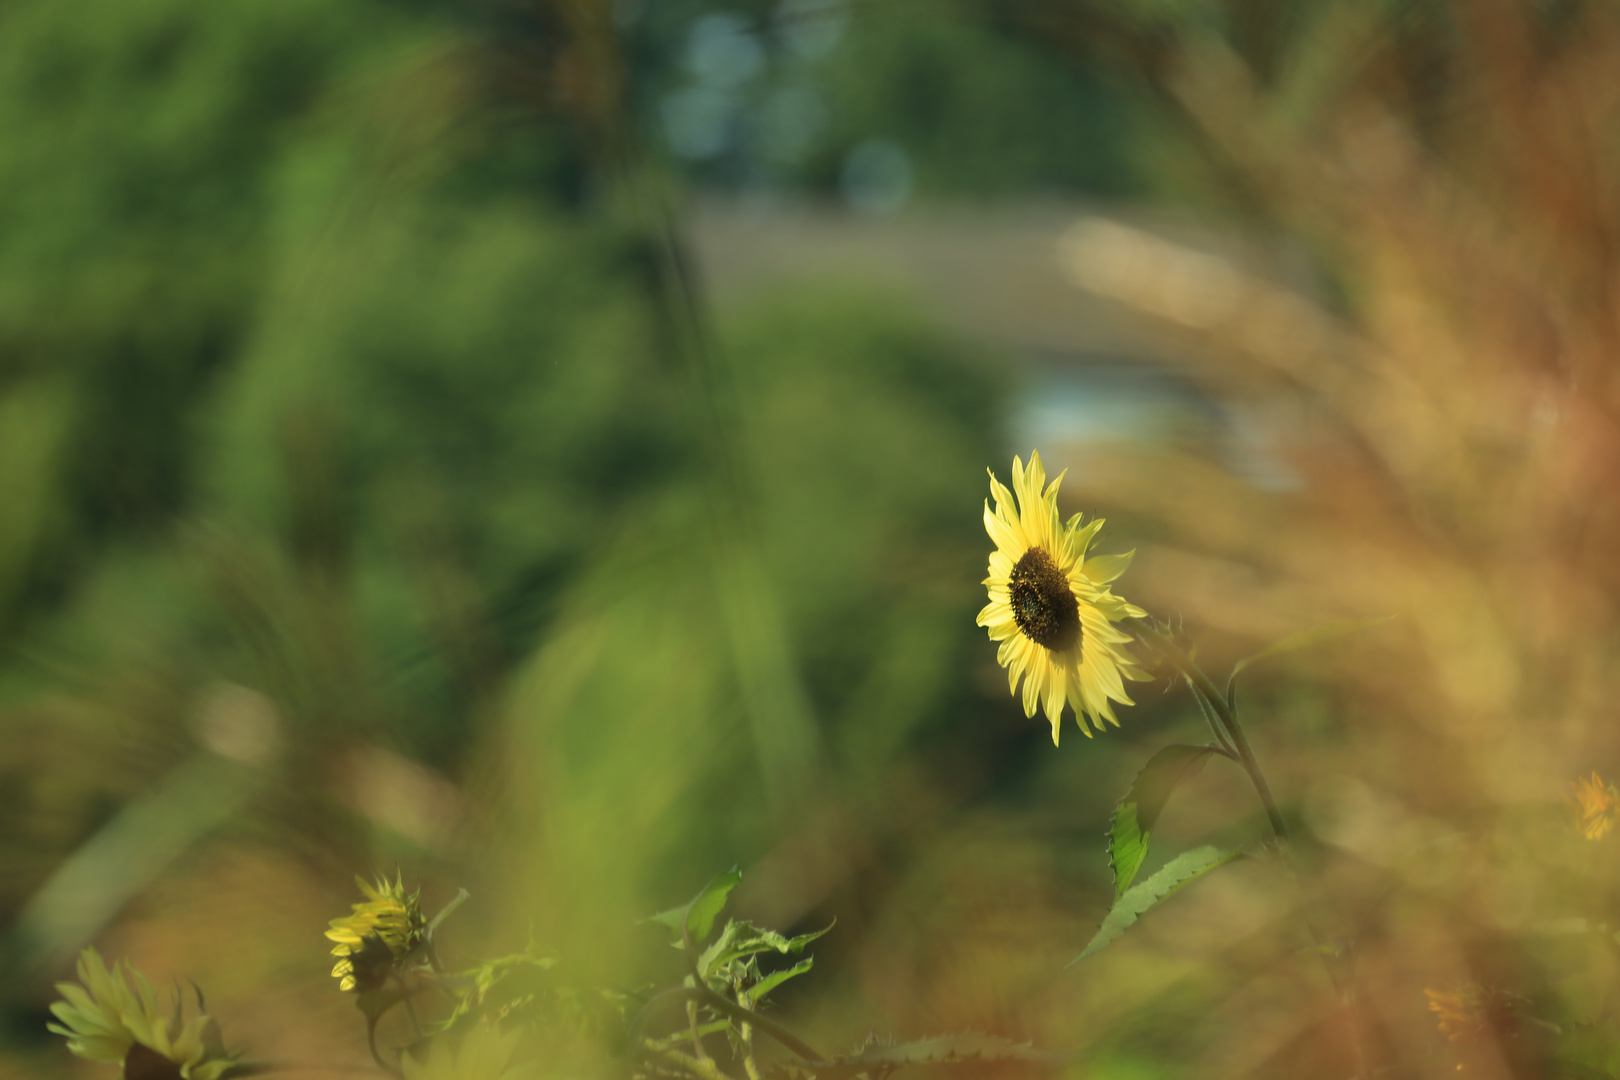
<point>1051,607</point>
<point>383,931</point>
<point>108,1019</point>
<point>1458,1011</point>
<point>1597,806</point>
<point>1473,1009</point>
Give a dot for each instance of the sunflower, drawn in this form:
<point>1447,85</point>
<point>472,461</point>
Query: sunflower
<point>1597,805</point>
<point>382,932</point>
<point>108,1019</point>
<point>1050,606</point>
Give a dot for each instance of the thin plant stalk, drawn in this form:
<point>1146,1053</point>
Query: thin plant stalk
<point>746,1034</point>
<point>697,1036</point>
<point>1223,708</point>
<point>1221,738</point>
<point>1212,699</point>
<point>700,991</point>
<point>722,1004</point>
<point>704,1068</point>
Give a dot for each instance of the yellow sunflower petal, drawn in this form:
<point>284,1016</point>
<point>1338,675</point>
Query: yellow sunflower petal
<point>1034,683</point>
<point>1056,688</point>
<point>994,613</point>
<point>1006,535</point>
<point>1084,534</point>
<point>1102,569</point>
<point>1002,631</point>
<point>1005,505</point>
<point>1017,664</point>
<point>81,1004</point>
<point>1032,506</point>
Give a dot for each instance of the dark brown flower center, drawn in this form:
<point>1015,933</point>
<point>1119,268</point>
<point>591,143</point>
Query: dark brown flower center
<point>372,963</point>
<point>144,1063</point>
<point>1042,604</point>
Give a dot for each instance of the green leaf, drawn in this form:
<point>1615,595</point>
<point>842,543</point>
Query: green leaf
<point>1306,638</point>
<point>757,992</point>
<point>699,914</point>
<point>472,987</point>
<point>1135,815</point>
<point>797,944</point>
<point>742,939</point>
<point>706,906</point>
<point>709,961</point>
<point>487,974</point>
<point>1178,873</point>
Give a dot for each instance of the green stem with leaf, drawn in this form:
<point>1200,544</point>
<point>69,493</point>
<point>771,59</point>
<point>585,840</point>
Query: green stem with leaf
<point>703,1068</point>
<point>1219,706</point>
<point>746,1034</point>
<point>697,1036</point>
<point>700,993</point>
<point>1223,708</point>
<point>722,1004</point>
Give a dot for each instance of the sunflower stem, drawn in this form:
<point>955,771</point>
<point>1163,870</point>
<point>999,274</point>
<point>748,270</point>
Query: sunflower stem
<point>371,1044</point>
<point>745,1032</point>
<point>765,1024</point>
<point>722,1004</point>
<point>1216,702</point>
<point>699,1067</point>
<point>455,902</point>
<point>1258,778</point>
<point>697,1036</point>
<point>741,1013</point>
<point>689,949</point>
<point>638,1023</point>
<point>1221,738</point>
<point>1224,708</point>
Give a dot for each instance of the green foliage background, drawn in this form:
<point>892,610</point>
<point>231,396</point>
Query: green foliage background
<point>340,362</point>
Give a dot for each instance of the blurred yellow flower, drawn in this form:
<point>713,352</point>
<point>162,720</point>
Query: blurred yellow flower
<point>383,931</point>
<point>1473,1010</point>
<point>482,1054</point>
<point>107,1019</point>
<point>1051,607</point>
<point>1597,806</point>
<point>1459,1013</point>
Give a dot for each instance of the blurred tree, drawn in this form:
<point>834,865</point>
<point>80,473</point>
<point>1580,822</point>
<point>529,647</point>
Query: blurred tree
<point>341,369</point>
<point>784,96</point>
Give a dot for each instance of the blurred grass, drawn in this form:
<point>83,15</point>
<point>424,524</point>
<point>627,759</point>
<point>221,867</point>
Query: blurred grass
<point>431,478</point>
